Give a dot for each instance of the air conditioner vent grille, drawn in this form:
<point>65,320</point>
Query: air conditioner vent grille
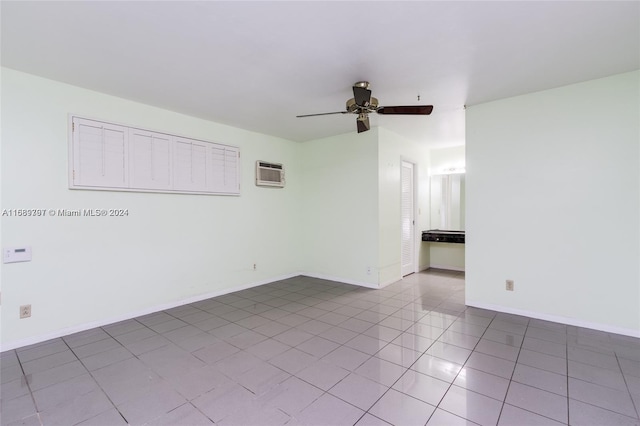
<point>269,174</point>
<point>270,165</point>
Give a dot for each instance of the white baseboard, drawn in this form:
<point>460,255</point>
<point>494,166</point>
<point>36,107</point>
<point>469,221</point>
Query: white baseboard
<point>339,279</point>
<point>349,281</point>
<point>129,315</point>
<point>447,267</point>
<point>389,282</point>
<point>556,318</point>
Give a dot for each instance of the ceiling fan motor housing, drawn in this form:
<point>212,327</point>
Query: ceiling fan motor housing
<point>354,108</point>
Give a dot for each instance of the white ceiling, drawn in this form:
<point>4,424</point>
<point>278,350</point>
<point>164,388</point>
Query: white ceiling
<point>256,65</point>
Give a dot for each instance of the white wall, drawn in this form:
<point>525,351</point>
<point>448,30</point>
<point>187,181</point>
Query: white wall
<point>340,207</point>
<point>170,247</point>
<point>351,206</point>
<point>337,217</point>
<point>442,160</point>
<point>393,149</point>
<point>446,255</point>
<point>450,256</point>
<point>553,189</point>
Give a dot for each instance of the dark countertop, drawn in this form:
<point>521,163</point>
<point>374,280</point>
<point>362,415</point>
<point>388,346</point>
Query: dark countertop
<point>443,236</point>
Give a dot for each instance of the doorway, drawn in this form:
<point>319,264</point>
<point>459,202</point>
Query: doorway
<point>408,220</point>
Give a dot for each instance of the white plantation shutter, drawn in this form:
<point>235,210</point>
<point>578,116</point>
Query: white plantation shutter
<point>150,160</point>
<point>199,166</point>
<point>190,165</point>
<point>217,167</point>
<point>224,169</point>
<point>113,157</point>
<point>99,151</point>
<point>182,164</point>
<point>231,170</point>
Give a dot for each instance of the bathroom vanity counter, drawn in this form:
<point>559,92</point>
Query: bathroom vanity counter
<point>442,236</point>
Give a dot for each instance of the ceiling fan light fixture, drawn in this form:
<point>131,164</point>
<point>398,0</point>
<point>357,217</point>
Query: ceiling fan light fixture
<point>362,122</point>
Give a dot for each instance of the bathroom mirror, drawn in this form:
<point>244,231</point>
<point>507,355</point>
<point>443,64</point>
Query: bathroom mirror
<point>447,202</point>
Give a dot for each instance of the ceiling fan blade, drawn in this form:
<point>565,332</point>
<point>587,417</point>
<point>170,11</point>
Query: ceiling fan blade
<point>363,124</point>
<point>406,110</point>
<point>322,113</point>
<point>362,96</point>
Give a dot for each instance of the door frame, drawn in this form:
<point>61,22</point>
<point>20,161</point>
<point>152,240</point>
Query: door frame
<point>414,245</point>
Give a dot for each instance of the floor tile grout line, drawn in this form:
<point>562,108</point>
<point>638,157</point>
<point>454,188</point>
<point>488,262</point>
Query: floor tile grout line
<point>301,379</point>
<point>567,367</point>
<point>40,343</point>
<point>401,295</point>
<point>187,400</point>
<point>627,386</point>
<point>25,377</point>
<point>388,387</point>
<point>400,377</point>
<point>454,379</point>
<point>98,383</point>
<point>144,325</point>
<point>369,355</point>
<point>77,358</point>
<point>365,412</point>
<point>409,368</point>
<point>515,365</point>
<point>512,381</point>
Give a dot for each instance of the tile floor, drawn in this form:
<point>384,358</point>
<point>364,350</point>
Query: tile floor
<point>309,351</point>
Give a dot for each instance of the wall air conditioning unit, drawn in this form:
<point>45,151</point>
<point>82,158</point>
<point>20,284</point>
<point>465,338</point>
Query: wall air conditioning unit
<point>269,174</point>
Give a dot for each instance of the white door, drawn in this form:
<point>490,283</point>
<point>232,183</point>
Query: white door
<point>408,221</point>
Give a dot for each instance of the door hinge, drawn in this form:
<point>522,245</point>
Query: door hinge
<point>73,127</point>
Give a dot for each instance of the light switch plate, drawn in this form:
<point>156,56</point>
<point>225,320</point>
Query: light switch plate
<point>16,254</point>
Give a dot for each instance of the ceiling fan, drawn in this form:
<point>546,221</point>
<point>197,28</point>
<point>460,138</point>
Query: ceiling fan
<point>363,103</point>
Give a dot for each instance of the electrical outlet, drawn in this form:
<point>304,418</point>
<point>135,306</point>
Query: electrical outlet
<point>368,270</point>
<point>25,311</point>
<point>509,285</point>
<point>255,267</point>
